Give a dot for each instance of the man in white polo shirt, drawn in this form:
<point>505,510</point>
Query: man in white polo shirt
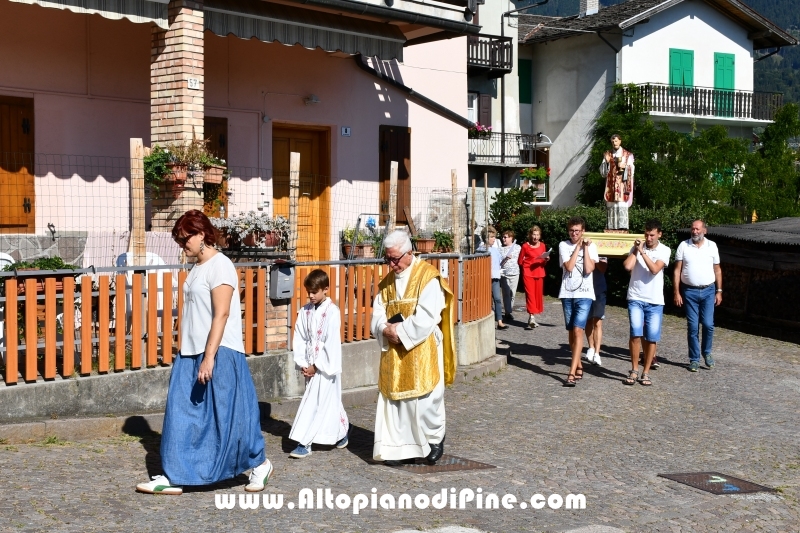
<point>698,284</point>
<point>646,264</point>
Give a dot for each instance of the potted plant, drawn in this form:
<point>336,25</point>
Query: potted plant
<point>424,242</point>
<point>253,229</point>
<point>351,238</point>
<point>443,241</point>
<point>479,131</point>
<point>536,174</point>
<point>41,263</point>
<point>214,169</point>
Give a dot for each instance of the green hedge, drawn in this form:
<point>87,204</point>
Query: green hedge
<point>554,230</point>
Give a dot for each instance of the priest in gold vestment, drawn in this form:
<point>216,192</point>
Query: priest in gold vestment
<point>412,320</point>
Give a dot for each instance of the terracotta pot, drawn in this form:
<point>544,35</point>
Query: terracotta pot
<point>365,250</point>
<point>177,172</point>
<point>40,282</point>
<point>425,246</point>
<point>361,250</point>
<point>271,239</point>
<point>253,238</point>
<point>223,239</point>
<point>213,174</point>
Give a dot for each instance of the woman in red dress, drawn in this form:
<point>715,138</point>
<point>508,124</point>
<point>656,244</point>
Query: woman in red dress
<point>531,265</point>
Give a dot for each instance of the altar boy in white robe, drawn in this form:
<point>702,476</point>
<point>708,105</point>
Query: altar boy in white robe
<point>412,320</point>
<point>317,347</point>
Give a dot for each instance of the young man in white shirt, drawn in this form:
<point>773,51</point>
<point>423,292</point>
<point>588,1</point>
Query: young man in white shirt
<point>577,258</point>
<point>646,264</point>
<point>698,284</point>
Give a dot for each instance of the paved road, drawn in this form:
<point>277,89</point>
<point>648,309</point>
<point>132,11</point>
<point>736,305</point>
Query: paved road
<point>601,439</point>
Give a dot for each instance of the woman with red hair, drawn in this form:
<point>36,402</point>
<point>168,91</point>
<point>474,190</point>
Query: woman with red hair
<point>212,428</point>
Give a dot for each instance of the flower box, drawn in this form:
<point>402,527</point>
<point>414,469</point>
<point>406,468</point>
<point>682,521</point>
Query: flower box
<point>425,246</point>
<point>213,174</point>
<point>365,251</point>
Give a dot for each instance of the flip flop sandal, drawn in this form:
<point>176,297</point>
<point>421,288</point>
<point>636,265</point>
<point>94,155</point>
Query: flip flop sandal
<point>645,380</point>
<point>633,375</point>
<point>570,381</point>
<point>578,376</point>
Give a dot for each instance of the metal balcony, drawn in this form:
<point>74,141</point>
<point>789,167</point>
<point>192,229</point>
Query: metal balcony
<point>656,98</point>
<point>510,149</point>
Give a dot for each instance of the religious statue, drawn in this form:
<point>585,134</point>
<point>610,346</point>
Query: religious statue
<point>617,168</point>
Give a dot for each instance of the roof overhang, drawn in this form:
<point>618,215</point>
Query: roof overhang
<point>270,22</point>
<point>763,32</point>
<point>347,26</point>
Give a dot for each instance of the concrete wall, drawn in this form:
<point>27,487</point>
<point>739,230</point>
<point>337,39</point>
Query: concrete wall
<point>274,376</point>
<point>572,78</point>
<point>689,26</point>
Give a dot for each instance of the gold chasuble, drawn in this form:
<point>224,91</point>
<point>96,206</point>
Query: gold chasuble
<point>406,374</point>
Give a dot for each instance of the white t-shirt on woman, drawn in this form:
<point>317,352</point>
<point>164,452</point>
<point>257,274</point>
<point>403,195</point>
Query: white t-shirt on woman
<point>197,313</point>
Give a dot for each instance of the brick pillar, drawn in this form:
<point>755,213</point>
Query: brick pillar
<point>277,328</point>
<point>176,111</point>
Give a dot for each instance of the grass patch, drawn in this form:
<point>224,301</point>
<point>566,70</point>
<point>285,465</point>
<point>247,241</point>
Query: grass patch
<point>53,440</point>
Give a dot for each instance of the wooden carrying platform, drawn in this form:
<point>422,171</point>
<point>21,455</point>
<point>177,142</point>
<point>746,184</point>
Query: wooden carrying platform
<point>613,244</point>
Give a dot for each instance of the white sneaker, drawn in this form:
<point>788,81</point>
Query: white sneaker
<point>597,359</point>
<point>589,355</point>
<point>259,477</point>
<point>159,485</point>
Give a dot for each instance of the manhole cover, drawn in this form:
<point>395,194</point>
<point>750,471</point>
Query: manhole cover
<point>448,463</point>
<point>716,483</point>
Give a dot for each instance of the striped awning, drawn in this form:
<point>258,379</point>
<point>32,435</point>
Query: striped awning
<point>289,25</point>
<point>267,22</point>
<point>133,10</point>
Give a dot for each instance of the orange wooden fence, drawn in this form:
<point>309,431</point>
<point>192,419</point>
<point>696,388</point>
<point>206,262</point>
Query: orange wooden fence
<point>61,331</point>
<point>63,326</point>
<point>355,298</point>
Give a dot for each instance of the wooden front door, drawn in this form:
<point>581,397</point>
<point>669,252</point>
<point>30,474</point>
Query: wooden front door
<point>395,145</point>
<point>313,216</point>
<point>216,135</point>
<point>17,192</point>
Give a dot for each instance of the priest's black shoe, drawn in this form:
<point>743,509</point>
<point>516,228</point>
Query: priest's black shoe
<point>401,462</point>
<point>436,452</point>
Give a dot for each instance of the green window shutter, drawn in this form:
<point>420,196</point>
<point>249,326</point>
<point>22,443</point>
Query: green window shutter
<point>681,67</point>
<point>525,89</point>
<point>688,68</point>
<point>675,74</point>
<point>724,71</point>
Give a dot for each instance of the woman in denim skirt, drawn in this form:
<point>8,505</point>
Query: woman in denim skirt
<point>212,428</point>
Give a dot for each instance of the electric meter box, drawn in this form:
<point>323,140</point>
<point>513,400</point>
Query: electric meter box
<point>281,282</point>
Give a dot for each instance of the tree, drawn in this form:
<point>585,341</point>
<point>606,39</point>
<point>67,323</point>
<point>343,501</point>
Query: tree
<point>770,183</point>
<point>672,168</point>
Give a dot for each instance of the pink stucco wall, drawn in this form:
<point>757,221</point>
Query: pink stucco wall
<point>89,78</point>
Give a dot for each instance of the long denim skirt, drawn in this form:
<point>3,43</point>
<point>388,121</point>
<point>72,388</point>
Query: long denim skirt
<point>211,432</point>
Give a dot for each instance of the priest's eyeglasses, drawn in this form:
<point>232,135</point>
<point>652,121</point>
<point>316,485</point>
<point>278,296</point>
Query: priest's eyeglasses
<point>393,260</point>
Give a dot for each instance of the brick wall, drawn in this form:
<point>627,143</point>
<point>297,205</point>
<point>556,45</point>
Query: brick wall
<point>176,111</point>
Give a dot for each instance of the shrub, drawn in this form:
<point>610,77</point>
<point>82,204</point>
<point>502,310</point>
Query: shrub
<point>554,230</point>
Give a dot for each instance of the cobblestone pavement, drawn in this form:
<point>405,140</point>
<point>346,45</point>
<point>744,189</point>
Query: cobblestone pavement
<point>601,439</point>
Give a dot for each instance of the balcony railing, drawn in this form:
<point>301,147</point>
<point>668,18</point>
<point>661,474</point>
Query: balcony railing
<point>500,149</point>
<point>703,101</point>
<point>490,54</point>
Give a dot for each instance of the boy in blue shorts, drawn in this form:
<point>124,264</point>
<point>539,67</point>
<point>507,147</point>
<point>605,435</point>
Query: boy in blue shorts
<point>646,264</point>
<point>577,257</point>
